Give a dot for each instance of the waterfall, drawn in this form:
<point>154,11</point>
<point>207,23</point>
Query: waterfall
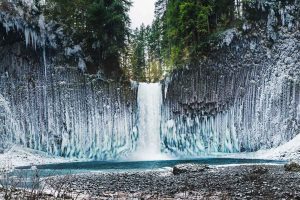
<point>149,119</point>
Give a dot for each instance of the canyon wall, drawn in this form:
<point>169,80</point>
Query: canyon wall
<point>243,96</point>
<point>47,103</point>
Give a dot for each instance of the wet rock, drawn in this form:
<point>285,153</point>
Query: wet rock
<point>256,173</point>
<point>292,167</point>
<point>260,170</point>
<point>189,168</point>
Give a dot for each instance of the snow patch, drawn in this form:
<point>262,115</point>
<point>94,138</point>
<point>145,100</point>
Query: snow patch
<point>18,156</point>
<point>228,36</point>
<point>134,84</point>
<point>287,151</point>
<point>71,51</point>
<point>81,65</point>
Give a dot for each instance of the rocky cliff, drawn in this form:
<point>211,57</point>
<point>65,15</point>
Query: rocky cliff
<point>245,95</point>
<point>46,101</point>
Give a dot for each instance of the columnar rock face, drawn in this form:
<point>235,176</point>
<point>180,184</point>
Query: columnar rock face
<point>52,106</point>
<point>61,111</point>
<point>243,97</point>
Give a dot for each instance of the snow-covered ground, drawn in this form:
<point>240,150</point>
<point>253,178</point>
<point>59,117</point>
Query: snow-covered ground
<point>18,156</point>
<point>288,151</point>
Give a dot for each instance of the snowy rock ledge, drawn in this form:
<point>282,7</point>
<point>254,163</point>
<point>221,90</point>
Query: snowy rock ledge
<point>31,26</point>
<point>289,151</point>
<point>18,156</point>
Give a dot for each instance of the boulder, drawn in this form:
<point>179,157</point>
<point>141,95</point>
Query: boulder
<point>259,170</point>
<point>256,173</point>
<point>292,167</point>
<point>189,168</point>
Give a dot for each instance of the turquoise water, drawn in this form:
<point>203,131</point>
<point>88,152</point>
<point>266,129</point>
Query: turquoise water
<point>114,166</point>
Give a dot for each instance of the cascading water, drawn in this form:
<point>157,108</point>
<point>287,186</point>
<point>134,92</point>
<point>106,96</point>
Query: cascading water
<point>149,119</point>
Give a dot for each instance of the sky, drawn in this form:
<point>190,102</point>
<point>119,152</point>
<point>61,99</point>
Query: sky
<point>142,11</point>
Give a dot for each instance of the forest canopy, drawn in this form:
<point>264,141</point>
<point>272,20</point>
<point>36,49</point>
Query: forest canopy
<point>101,27</point>
<point>180,34</point>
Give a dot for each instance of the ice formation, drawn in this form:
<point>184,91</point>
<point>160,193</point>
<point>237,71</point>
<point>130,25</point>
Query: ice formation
<point>246,107</point>
<point>243,97</point>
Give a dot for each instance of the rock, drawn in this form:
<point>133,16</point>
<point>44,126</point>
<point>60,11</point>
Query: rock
<point>189,168</point>
<point>292,167</point>
<point>260,170</point>
<point>256,173</point>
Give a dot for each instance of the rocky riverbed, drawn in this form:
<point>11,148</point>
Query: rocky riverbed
<point>228,182</point>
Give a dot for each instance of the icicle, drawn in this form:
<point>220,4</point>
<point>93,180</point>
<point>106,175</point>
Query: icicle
<point>27,36</point>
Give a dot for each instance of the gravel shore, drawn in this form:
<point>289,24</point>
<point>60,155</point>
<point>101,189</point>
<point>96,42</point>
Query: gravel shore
<point>231,182</point>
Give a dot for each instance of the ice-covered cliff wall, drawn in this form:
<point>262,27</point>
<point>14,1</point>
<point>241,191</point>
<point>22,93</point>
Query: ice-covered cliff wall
<point>50,105</point>
<point>244,96</point>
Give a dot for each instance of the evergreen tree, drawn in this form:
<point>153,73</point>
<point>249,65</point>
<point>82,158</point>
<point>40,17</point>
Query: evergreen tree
<point>181,32</point>
<point>100,26</point>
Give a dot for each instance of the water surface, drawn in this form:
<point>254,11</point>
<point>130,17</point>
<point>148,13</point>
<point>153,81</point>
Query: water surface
<point>116,166</point>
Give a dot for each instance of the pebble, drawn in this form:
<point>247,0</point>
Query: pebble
<point>269,182</point>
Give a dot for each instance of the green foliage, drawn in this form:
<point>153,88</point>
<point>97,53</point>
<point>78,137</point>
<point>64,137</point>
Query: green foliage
<point>100,26</point>
<point>189,24</point>
<point>145,57</point>
<point>180,33</point>
<point>138,60</point>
